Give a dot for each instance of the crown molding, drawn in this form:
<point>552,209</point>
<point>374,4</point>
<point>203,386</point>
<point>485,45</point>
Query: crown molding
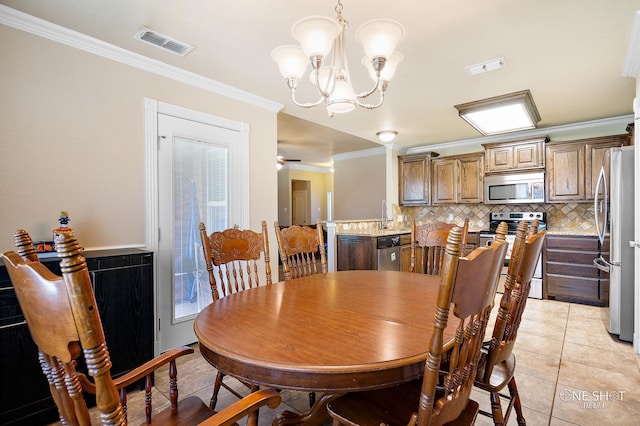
<point>622,120</point>
<point>39,27</point>
<point>306,168</point>
<point>358,154</point>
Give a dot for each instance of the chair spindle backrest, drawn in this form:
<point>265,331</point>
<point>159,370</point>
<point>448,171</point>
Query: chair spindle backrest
<point>298,247</point>
<point>469,284</point>
<point>428,243</point>
<point>525,252</point>
<point>235,253</point>
<point>63,320</point>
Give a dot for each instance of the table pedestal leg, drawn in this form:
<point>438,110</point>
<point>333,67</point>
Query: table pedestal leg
<point>316,416</point>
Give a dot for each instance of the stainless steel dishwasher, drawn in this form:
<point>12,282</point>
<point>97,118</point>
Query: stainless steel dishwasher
<point>389,253</point>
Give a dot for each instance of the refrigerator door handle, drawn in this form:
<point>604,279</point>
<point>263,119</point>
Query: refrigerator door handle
<point>604,265</point>
<point>601,227</point>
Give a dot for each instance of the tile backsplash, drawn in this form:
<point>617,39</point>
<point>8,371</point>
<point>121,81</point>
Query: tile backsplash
<point>561,217</point>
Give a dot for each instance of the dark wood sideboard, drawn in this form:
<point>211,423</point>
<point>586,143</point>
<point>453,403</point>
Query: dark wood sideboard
<point>123,285</point>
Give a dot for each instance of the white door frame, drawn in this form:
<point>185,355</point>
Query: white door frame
<point>154,107</point>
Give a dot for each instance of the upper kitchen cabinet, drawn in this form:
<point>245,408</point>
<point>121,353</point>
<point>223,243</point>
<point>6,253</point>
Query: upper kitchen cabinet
<point>517,156</point>
<point>573,167</point>
<point>597,157</point>
<point>458,179</point>
<point>415,179</point>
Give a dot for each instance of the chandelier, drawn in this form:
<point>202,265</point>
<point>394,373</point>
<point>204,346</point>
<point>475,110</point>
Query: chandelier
<point>317,35</point>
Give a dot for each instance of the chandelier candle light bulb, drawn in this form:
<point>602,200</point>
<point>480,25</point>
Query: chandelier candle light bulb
<point>318,36</point>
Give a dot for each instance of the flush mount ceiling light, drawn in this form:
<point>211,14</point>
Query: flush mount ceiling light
<point>386,136</point>
<point>317,35</point>
<point>501,114</point>
<point>486,66</point>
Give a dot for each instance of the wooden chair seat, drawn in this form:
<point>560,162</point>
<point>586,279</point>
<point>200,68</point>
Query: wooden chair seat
<point>64,322</point>
<point>395,411</point>
<point>501,374</point>
<point>442,396</point>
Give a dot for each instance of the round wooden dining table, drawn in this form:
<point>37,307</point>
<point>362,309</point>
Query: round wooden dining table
<point>330,333</point>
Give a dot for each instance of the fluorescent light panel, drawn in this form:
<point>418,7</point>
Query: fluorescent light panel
<point>501,114</point>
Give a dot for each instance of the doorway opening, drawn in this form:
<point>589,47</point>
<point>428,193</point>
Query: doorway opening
<point>300,202</point>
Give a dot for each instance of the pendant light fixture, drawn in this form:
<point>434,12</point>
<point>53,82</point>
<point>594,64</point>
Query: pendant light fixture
<point>318,36</point>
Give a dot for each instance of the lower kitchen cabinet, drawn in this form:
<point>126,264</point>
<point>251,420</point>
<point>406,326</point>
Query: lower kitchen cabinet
<point>356,252</point>
<point>123,284</point>
<point>405,257</point>
<point>569,273</point>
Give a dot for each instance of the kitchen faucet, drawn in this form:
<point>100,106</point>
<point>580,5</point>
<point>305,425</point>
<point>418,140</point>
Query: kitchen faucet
<point>384,219</point>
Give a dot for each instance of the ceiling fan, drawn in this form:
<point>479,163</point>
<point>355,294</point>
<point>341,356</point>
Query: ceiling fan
<point>282,160</point>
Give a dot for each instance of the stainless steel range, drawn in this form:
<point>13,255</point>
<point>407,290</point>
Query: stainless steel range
<point>512,219</point>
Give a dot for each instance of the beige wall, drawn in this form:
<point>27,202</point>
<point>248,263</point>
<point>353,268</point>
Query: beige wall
<point>360,187</point>
<point>72,138</point>
<point>319,183</point>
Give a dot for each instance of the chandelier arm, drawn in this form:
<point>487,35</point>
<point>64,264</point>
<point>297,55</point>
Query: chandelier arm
<point>371,106</point>
<point>371,91</point>
<point>328,89</point>
<point>293,85</point>
<point>306,104</point>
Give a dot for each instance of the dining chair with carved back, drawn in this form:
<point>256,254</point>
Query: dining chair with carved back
<point>468,286</point>
<point>428,243</point>
<point>301,248</point>
<point>64,322</point>
<point>499,362</point>
<point>232,258</point>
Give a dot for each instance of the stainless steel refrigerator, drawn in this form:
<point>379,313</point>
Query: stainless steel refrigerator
<point>620,266</point>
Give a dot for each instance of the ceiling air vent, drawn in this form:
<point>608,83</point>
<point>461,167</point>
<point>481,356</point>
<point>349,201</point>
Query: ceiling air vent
<point>163,42</point>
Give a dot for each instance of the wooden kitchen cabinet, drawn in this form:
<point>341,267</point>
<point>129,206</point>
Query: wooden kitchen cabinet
<point>473,241</point>
<point>458,179</point>
<point>517,156</point>
<point>415,179</point>
<point>356,252</point>
<point>405,257</point>
<point>123,285</point>
<point>597,156</point>
<point>569,273</point>
<point>573,167</point>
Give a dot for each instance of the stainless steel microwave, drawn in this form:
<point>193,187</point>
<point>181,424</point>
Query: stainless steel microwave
<point>514,188</point>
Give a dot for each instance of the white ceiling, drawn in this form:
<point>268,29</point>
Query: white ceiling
<point>569,53</point>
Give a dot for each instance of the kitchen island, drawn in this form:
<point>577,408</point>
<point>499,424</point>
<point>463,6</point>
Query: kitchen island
<point>365,244</point>
<point>353,244</point>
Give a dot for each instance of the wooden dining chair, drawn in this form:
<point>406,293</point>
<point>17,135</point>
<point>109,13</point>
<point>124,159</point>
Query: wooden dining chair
<point>468,286</point>
<point>234,254</point>
<point>429,241</point>
<point>499,362</point>
<point>64,322</point>
<point>301,247</point>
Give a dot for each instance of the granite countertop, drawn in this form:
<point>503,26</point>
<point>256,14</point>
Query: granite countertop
<point>375,232</point>
<point>574,232</point>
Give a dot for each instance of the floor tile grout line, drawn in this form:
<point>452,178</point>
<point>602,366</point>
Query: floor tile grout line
<point>555,391</point>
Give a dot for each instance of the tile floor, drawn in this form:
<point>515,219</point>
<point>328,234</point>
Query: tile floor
<point>570,371</point>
